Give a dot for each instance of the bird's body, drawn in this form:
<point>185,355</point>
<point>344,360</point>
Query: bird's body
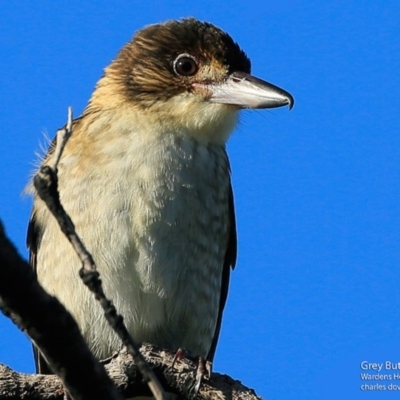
<point>146,180</point>
<point>159,239</point>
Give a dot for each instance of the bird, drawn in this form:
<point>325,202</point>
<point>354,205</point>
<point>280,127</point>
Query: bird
<point>146,179</point>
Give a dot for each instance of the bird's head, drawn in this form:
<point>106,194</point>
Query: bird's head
<point>187,76</point>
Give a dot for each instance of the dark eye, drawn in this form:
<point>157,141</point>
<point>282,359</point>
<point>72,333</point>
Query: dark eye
<point>185,65</point>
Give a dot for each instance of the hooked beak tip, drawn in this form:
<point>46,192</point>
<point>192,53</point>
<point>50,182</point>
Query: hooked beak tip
<point>290,101</point>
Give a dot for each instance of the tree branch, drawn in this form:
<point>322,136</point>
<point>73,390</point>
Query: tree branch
<point>126,376</point>
<point>51,327</point>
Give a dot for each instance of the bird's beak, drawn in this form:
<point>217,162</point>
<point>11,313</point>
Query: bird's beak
<point>247,91</point>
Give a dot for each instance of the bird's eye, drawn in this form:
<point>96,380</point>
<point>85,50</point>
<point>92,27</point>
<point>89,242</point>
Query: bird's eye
<point>185,65</point>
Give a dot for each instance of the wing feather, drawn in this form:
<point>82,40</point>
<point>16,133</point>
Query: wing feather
<point>229,263</point>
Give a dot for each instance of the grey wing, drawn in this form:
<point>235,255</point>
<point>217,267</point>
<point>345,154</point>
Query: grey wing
<point>32,240</point>
<point>229,263</point>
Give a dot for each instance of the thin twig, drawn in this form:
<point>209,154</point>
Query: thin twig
<point>62,138</point>
<point>46,184</point>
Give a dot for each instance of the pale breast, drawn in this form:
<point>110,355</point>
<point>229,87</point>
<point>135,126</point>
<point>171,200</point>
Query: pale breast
<point>156,221</point>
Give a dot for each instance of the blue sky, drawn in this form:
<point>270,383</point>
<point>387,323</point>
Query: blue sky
<point>317,190</point>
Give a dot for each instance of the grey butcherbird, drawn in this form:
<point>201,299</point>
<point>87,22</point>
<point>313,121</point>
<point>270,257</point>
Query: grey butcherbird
<point>146,180</point>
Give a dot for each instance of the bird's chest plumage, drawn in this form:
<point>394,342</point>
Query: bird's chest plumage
<point>179,239</point>
<point>156,221</point>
